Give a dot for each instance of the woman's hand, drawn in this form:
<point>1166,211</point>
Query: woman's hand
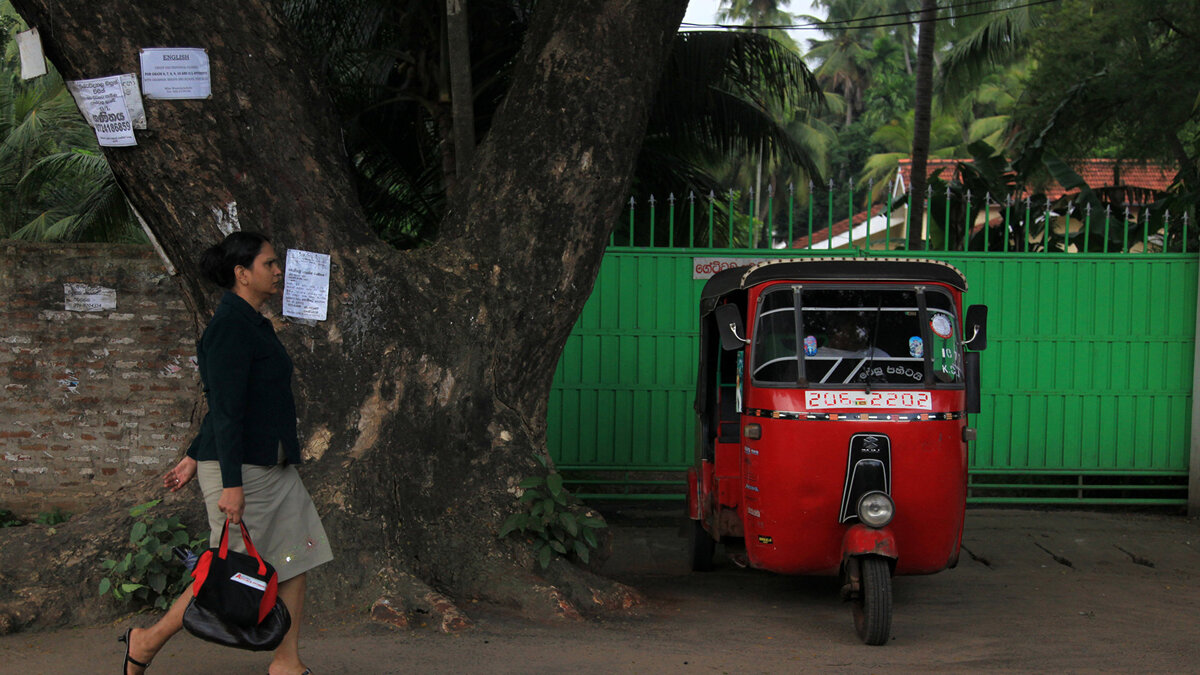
<point>181,475</point>
<point>232,503</point>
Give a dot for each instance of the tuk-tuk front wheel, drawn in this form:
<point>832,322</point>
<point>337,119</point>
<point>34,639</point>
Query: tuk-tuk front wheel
<point>873,602</point>
<point>701,547</point>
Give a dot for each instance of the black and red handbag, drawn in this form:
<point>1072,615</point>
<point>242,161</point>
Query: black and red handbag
<point>235,598</point>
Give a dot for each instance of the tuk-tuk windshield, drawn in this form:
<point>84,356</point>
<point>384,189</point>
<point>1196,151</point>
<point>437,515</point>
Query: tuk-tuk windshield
<point>856,336</point>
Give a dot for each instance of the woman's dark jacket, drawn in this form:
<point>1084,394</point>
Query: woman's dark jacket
<point>247,378</point>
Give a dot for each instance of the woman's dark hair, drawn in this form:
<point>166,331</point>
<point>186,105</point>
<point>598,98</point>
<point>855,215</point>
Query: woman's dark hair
<point>239,248</point>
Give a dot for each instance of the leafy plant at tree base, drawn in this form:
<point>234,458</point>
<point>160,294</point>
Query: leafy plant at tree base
<point>561,528</point>
<point>9,519</point>
<point>52,518</point>
<point>145,574</point>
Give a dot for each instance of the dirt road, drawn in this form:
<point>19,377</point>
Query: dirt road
<point>1040,592</point>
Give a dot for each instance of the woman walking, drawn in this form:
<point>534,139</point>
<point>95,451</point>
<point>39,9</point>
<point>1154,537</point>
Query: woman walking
<point>246,453</point>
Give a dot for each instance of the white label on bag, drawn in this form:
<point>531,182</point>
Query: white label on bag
<point>249,581</point>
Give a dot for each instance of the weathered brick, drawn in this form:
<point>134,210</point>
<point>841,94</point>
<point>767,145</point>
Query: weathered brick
<point>68,375</point>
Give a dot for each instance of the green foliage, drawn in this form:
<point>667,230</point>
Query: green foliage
<point>145,575</point>
<point>1134,97</point>
<point>54,517</point>
<point>9,519</point>
<point>559,525</point>
<point>55,185</point>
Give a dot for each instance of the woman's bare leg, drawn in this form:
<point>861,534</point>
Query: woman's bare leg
<point>287,654</point>
<point>144,643</point>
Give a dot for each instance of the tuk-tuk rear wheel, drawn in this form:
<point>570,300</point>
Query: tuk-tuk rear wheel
<point>873,603</point>
<point>701,547</point>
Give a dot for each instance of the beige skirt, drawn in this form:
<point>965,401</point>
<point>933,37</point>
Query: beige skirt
<point>279,515</point>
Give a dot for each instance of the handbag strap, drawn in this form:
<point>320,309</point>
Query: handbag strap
<point>224,550</point>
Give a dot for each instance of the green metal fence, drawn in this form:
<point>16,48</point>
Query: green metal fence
<point>1087,379</point>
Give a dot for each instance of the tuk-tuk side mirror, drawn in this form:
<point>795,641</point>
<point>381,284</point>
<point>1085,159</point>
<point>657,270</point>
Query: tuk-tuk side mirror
<point>729,325</point>
<point>975,328</point>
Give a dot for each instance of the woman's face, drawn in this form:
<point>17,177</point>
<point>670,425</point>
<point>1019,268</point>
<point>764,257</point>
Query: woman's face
<point>264,277</point>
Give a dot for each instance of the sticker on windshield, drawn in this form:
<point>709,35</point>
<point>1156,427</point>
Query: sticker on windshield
<point>880,400</point>
<point>810,346</point>
<point>941,325</point>
<point>916,347</point>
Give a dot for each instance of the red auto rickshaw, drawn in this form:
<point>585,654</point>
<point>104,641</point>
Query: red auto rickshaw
<point>832,405</point>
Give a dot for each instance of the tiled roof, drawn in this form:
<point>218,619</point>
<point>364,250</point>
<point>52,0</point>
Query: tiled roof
<point>1097,173</point>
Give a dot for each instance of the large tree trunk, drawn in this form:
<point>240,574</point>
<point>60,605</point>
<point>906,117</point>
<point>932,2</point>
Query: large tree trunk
<point>921,123</point>
<point>423,397</point>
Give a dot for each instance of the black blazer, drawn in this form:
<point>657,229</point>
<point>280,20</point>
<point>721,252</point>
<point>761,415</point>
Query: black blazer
<point>247,378</point>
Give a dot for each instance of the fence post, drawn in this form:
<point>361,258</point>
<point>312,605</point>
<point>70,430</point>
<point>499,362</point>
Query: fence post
<point>1193,499</point>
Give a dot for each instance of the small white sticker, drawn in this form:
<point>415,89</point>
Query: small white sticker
<point>249,581</point>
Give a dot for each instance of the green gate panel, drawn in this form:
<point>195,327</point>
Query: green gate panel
<point>1088,371</point>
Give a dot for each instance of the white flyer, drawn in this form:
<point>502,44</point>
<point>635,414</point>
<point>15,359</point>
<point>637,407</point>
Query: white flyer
<point>306,285</point>
<point>133,100</point>
<point>102,101</point>
<point>175,73</point>
<point>88,298</point>
<point>33,62</point>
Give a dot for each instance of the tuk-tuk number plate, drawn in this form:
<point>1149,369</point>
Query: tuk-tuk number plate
<point>907,400</point>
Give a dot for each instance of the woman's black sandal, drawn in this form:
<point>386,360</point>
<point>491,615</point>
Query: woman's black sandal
<point>129,659</point>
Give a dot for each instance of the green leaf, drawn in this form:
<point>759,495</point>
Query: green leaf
<point>555,482</point>
<point>544,557</point>
<point>532,482</point>
<point>151,545</point>
<point>590,537</point>
<point>108,564</point>
<point>129,588</point>
<point>581,550</point>
<point>530,495</point>
<point>548,506</point>
<point>141,560</point>
<point>158,526</point>
<point>511,523</point>
<point>105,586</point>
<point>141,509</point>
<point>537,509</point>
<point>179,538</point>
<point>595,523</point>
<point>557,546</point>
<point>158,582</point>
<point>138,532</point>
<point>160,602</point>
<point>568,520</point>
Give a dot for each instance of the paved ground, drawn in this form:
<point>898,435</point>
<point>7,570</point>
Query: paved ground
<point>1040,592</point>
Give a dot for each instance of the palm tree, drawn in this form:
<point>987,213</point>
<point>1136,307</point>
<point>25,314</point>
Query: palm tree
<point>54,183</point>
<point>725,96</point>
<point>845,55</point>
<point>921,118</point>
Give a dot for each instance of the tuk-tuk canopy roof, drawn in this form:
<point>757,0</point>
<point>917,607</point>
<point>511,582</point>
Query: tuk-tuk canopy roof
<point>828,269</point>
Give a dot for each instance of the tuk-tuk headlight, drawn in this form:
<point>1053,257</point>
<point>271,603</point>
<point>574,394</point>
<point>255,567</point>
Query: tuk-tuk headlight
<point>875,509</point>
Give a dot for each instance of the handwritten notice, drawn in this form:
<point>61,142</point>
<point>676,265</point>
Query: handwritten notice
<point>175,73</point>
<point>306,285</point>
<point>88,298</point>
<point>102,102</point>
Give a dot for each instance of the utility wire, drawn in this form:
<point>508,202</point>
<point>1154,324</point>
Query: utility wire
<point>860,23</point>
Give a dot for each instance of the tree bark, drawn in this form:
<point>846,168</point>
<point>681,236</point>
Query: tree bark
<point>921,122</point>
<point>423,398</point>
<point>458,48</point>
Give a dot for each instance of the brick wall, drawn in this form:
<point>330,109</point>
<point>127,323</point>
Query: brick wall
<point>96,398</point>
